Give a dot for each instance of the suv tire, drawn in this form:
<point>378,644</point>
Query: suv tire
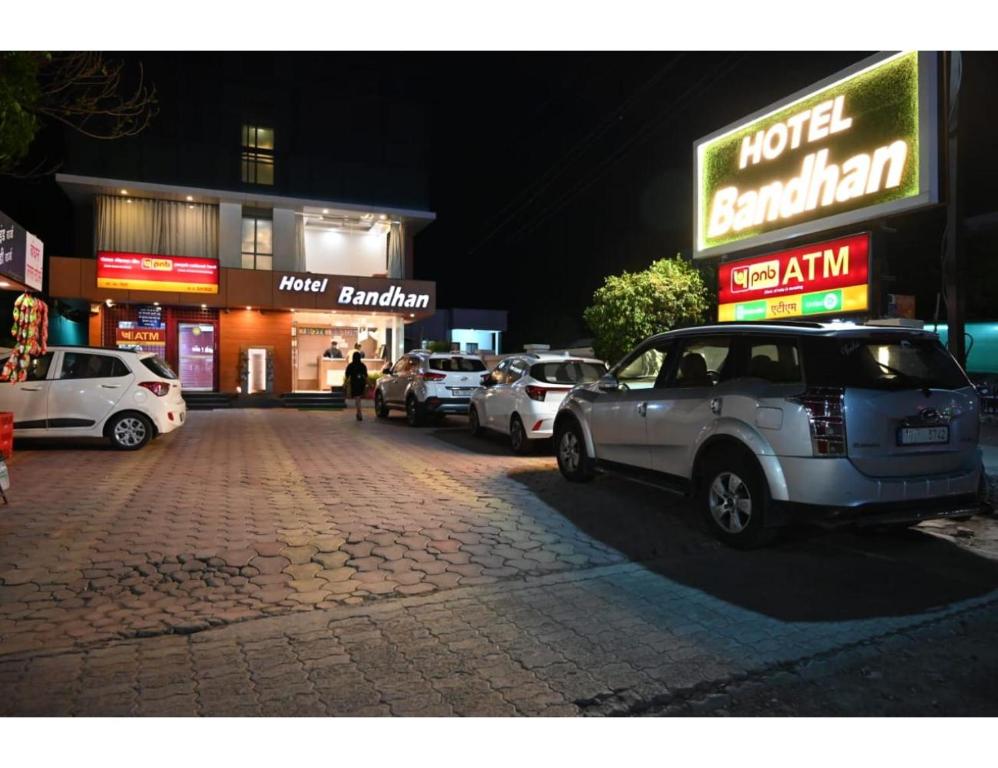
<point>380,409</point>
<point>518,439</point>
<point>733,498</point>
<point>413,412</point>
<point>129,431</point>
<point>570,448</point>
<point>474,424</point>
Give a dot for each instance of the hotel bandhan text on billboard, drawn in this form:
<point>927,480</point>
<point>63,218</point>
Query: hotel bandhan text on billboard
<point>147,272</point>
<point>820,279</point>
<point>858,146</point>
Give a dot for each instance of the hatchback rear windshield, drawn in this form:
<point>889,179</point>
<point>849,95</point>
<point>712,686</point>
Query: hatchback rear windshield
<point>567,372</point>
<point>881,363</point>
<point>159,366</point>
<point>456,364</point>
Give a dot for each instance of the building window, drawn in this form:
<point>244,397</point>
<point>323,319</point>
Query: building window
<point>258,155</point>
<point>258,243</point>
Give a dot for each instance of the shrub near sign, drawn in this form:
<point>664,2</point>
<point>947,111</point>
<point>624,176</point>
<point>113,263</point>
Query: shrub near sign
<point>858,146</point>
<point>819,279</point>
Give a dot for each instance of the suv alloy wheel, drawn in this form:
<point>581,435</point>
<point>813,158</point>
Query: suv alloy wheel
<point>412,412</point>
<point>570,447</point>
<point>518,436</point>
<point>380,409</point>
<point>474,425</point>
<point>733,498</point>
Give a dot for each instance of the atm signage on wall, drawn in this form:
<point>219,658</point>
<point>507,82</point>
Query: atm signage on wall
<point>140,335</point>
<point>819,279</point>
<point>148,272</point>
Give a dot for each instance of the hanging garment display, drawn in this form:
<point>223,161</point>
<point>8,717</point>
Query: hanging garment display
<point>30,332</point>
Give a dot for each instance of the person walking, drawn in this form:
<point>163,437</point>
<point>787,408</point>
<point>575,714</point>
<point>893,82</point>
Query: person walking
<point>355,380</point>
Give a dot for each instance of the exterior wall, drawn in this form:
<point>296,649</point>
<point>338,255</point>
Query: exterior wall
<point>239,328</point>
<point>96,337</point>
<point>230,234</point>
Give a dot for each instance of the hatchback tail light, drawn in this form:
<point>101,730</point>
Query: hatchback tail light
<point>430,376</point>
<point>158,388</point>
<point>826,414</point>
<point>538,393</point>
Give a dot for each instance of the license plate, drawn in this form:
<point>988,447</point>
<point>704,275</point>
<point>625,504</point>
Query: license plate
<point>923,435</point>
<point>461,391</point>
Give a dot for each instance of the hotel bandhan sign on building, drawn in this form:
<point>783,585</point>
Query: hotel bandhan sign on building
<point>860,145</point>
<point>819,279</point>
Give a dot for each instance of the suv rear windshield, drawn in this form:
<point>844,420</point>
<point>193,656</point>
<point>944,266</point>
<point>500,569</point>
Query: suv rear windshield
<point>455,364</point>
<point>567,372</point>
<point>159,366</point>
<point>881,363</point>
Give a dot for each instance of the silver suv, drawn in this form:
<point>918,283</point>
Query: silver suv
<point>428,384</point>
<point>767,424</point>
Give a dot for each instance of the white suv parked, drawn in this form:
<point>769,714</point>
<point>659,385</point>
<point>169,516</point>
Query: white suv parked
<point>428,384</point>
<point>771,423</point>
<point>521,396</point>
<point>128,397</point>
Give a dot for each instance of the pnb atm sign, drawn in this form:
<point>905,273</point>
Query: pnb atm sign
<point>819,279</point>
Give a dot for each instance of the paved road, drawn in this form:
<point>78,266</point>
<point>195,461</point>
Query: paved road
<point>275,562</point>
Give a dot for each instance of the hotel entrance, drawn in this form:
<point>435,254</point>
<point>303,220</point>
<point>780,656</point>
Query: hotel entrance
<point>323,343</point>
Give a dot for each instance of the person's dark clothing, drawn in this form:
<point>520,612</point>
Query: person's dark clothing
<point>355,377</point>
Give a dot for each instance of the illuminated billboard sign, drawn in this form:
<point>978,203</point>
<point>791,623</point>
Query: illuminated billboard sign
<point>146,272</point>
<point>818,279</point>
<point>859,145</point>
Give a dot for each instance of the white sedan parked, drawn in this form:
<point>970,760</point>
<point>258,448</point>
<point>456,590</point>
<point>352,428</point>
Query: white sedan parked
<point>127,397</point>
<point>520,397</point>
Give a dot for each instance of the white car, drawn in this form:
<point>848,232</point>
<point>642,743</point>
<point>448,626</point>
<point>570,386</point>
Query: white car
<point>428,384</point>
<point>520,397</point>
<point>128,397</point>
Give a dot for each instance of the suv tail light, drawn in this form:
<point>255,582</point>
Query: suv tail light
<point>158,388</point>
<point>430,376</point>
<point>826,414</point>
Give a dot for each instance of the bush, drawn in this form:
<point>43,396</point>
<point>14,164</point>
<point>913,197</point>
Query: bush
<point>439,346</point>
<point>632,306</point>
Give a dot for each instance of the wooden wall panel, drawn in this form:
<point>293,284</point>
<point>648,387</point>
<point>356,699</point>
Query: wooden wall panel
<point>239,328</point>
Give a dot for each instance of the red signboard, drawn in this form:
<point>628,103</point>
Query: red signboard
<point>155,336</point>
<point>822,278</point>
<point>146,272</point>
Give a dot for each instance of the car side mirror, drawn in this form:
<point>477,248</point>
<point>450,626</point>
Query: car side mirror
<point>386,370</point>
<point>608,382</point>
<point>487,380</point>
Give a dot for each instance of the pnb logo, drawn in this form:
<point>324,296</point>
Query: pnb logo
<point>752,277</point>
<point>159,265</point>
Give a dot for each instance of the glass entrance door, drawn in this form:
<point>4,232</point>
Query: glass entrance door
<point>196,356</point>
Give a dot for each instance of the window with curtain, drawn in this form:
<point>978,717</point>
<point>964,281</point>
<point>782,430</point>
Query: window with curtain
<point>162,227</point>
<point>258,243</point>
<point>258,155</point>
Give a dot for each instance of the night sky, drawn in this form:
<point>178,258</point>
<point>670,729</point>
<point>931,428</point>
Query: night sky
<point>547,171</point>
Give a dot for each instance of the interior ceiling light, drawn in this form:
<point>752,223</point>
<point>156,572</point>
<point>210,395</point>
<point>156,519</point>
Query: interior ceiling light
<point>383,216</point>
<point>325,210</point>
<point>190,198</point>
<point>124,191</point>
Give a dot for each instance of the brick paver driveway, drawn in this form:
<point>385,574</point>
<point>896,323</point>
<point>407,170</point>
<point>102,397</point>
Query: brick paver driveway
<point>370,568</point>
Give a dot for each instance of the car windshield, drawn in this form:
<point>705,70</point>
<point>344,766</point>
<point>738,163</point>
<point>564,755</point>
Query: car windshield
<point>159,366</point>
<point>456,364</point>
<point>567,372</point>
<point>886,362</point>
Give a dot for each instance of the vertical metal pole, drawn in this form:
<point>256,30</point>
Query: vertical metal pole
<point>954,261</point>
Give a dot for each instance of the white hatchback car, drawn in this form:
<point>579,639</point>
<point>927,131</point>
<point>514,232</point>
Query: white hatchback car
<point>520,397</point>
<point>128,397</point>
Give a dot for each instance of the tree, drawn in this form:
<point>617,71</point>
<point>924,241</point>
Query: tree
<point>83,91</point>
<point>631,306</point>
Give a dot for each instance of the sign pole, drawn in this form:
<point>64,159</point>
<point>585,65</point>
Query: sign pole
<point>954,259</point>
